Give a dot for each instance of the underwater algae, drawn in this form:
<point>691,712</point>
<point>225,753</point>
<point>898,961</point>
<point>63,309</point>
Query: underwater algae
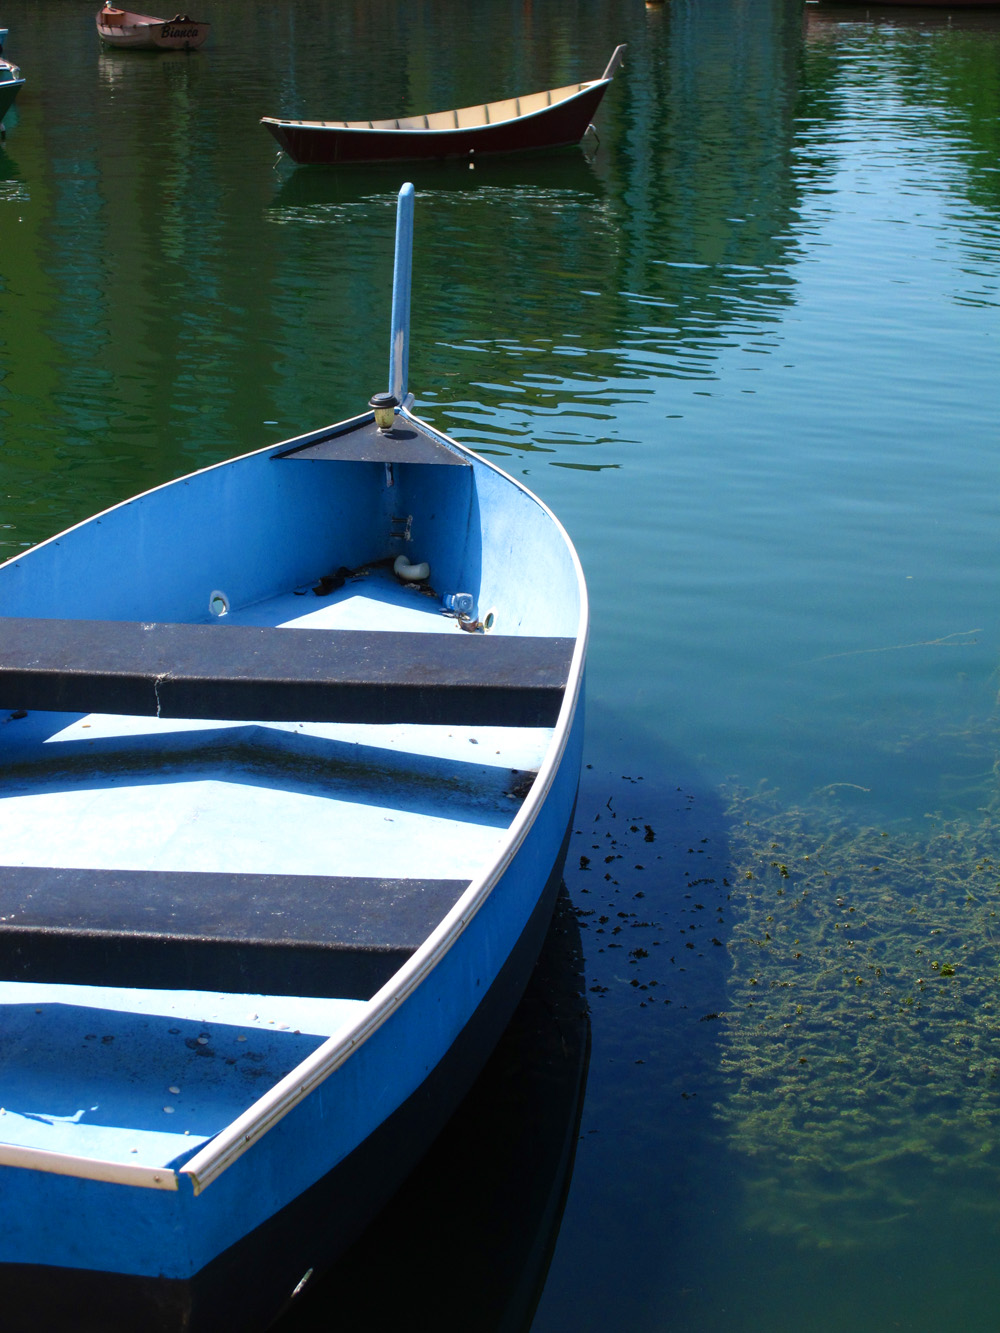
<point>860,1048</point>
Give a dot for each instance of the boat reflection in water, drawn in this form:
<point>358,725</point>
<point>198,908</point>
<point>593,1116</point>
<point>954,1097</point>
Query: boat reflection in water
<point>569,173</point>
<point>466,1243</point>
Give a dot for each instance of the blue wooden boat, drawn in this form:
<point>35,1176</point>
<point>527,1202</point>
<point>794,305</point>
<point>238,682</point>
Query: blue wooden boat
<point>290,749</point>
<point>11,83</point>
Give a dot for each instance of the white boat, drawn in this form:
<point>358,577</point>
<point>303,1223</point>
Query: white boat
<point>120,27</point>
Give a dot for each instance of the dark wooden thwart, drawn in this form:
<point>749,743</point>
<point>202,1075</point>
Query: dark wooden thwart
<point>246,673</point>
<point>255,934</point>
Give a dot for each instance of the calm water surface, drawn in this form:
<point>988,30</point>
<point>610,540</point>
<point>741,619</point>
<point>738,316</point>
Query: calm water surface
<point>748,351</point>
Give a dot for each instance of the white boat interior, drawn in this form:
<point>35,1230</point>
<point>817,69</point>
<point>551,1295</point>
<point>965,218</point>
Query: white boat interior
<point>466,117</point>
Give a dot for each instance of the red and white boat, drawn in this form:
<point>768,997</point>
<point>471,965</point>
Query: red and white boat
<point>556,118</point>
<point>120,27</point>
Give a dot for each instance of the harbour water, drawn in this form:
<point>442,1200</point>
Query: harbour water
<point>746,344</point>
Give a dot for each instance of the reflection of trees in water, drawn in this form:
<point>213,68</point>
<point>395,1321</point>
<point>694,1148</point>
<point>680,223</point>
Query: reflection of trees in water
<point>176,286</point>
<point>706,124</point>
<point>935,75</point>
<point>686,244</point>
<point>380,59</point>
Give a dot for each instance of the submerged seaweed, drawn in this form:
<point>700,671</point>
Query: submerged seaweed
<point>861,1044</point>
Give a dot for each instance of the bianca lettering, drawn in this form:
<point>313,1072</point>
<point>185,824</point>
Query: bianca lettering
<point>168,31</point>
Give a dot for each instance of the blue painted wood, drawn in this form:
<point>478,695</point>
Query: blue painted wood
<point>298,558</point>
<point>159,556</point>
<point>243,1286</point>
<point>322,1131</point>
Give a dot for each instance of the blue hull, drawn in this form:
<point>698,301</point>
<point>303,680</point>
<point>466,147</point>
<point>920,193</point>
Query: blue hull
<point>290,750</point>
<point>150,1170</point>
<point>252,1282</point>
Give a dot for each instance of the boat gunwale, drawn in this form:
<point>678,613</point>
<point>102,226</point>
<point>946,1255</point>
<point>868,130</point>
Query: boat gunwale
<point>105,1170</point>
<point>385,126</point>
<point>144,21</point>
<point>245,1130</point>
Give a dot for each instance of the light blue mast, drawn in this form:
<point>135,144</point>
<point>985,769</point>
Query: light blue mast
<point>399,350</point>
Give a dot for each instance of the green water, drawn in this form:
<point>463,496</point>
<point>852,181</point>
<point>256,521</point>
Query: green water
<point>746,346</point>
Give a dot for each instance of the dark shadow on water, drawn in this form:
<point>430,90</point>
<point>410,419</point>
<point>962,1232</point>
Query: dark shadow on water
<point>466,1243</point>
<point>771,1137</point>
<point>648,870</point>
